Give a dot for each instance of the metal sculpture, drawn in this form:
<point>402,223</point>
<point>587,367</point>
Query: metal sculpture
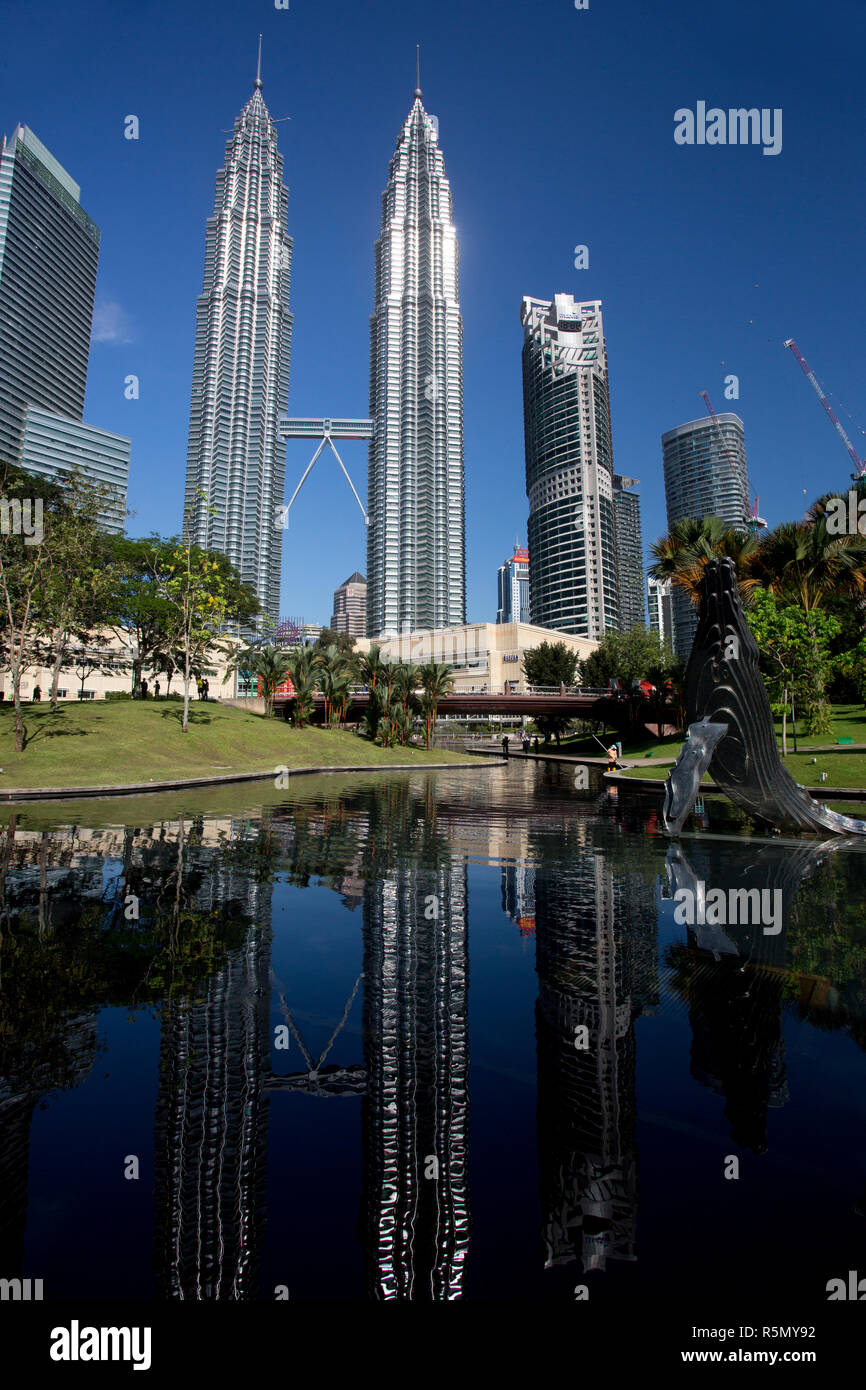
<point>730,724</point>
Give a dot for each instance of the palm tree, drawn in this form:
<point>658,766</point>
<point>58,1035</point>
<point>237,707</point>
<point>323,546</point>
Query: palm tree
<point>334,679</point>
<point>802,564</point>
<point>271,667</point>
<point>303,664</point>
<point>684,553</point>
<point>370,666</point>
<point>436,682</point>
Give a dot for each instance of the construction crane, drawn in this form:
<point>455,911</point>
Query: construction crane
<point>819,391</point>
<point>756,523</point>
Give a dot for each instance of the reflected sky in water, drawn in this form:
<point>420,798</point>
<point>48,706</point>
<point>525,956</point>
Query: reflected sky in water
<point>425,1037</point>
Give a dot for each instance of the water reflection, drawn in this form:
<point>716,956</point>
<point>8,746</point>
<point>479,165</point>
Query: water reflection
<point>179,917</point>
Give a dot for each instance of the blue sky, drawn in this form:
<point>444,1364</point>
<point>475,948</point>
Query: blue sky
<point>557,129</point>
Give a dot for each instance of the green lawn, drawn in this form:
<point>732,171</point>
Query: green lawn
<point>122,741</point>
<point>842,769</point>
<point>849,721</point>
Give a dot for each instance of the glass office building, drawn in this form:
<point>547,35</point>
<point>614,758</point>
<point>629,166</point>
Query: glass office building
<point>54,445</point>
<point>240,380</point>
<point>416,546</point>
<point>513,588</point>
<point>629,553</point>
<point>706,474</point>
<point>49,249</point>
<point>573,578</point>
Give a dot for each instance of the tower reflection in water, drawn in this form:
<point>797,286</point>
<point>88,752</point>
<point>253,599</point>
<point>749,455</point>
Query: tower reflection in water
<point>596,962</point>
<point>415,1200</point>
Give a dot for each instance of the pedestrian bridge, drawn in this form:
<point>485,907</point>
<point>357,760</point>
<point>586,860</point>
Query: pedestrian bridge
<point>572,704</point>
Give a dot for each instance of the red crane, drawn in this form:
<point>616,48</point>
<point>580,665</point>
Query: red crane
<point>755,521</point>
<point>819,390</point>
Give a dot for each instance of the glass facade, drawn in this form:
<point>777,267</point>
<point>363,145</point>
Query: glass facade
<point>49,249</point>
<point>629,553</point>
<point>706,474</point>
<point>54,445</point>
<point>243,339</point>
<point>569,468</point>
<point>416,545</point>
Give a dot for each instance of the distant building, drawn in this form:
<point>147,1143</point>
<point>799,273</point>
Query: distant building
<point>49,249</point>
<point>629,553</point>
<point>706,474</point>
<point>513,588</point>
<point>569,467</point>
<point>53,445</point>
<point>660,603</point>
<point>350,606</point>
<point>483,656</point>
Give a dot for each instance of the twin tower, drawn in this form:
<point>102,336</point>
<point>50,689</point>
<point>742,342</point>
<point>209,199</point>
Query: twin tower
<point>235,482</point>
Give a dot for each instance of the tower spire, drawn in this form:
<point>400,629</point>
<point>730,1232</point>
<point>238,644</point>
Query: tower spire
<point>258,83</point>
<point>418,91</point>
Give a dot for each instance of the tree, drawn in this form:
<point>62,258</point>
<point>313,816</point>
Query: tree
<point>553,663</point>
<point>795,656</point>
<point>370,665</point>
<point>142,616</point>
<point>30,505</point>
<point>683,554</point>
<point>270,666</point>
<point>803,563</point>
<point>302,664</point>
<point>628,657</point>
<point>195,590</point>
<point>343,641</point>
<point>80,578</point>
<point>334,680</point>
<point>436,683</point>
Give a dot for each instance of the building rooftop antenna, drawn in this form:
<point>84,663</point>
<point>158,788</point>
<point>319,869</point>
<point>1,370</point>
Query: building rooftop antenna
<point>418,91</point>
<point>258,82</point>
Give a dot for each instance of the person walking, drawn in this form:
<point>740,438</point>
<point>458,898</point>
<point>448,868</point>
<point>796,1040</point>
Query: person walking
<point>144,690</point>
<point>156,690</point>
<point>205,685</point>
<point>37,694</point>
<point>505,744</point>
<point>525,743</point>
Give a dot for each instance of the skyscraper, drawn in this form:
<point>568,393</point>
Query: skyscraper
<point>660,603</point>
<point>240,381</point>
<point>416,549</point>
<point>569,467</point>
<point>513,588</point>
<point>629,553</point>
<point>350,606</point>
<point>705,475</point>
<point>49,249</point>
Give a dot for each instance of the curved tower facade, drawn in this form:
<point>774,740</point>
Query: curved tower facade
<point>416,548</point>
<point>240,380</point>
<point>573,581</point>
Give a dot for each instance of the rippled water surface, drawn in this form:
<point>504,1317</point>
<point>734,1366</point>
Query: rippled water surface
<point>424,1036</point>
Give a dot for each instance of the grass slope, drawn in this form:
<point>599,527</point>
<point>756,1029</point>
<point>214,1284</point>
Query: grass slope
<point>843,769</point>
<point>115,742</point>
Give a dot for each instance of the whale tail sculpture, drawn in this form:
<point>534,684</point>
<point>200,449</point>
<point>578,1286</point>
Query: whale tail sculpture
<point>730,724</point>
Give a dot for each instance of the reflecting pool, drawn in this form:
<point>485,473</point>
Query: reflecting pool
<point>427,1036</point>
